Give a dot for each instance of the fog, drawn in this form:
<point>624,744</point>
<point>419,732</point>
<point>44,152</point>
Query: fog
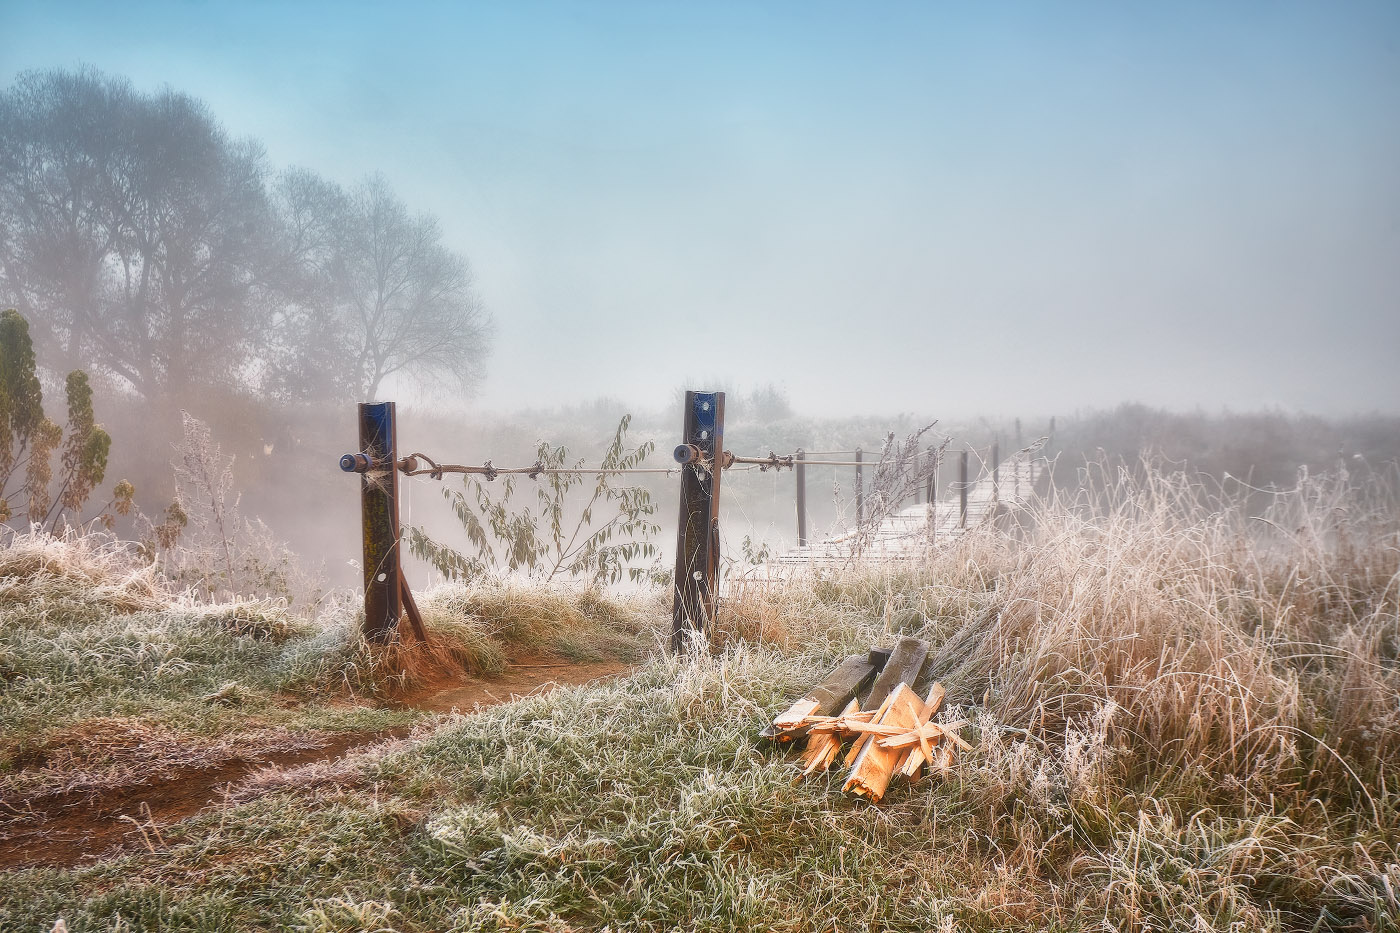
<point>880,217</point>
<point>965,208</point>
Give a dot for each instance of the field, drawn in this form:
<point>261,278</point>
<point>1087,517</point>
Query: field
<point>1184,717</point>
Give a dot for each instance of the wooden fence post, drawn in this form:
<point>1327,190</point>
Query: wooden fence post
<point>697,539</point>
<point>996,472</point>
<point>860,491</point>
<point>379,519</point>
<point>800,469</point>
<point>962,490</point>
<point>931,492</point>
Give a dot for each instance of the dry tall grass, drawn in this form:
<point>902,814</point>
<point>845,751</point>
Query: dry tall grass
<point>1186,720</point>
<point>1152,664</point>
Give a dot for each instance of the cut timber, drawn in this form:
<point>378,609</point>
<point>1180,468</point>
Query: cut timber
<point>793,717</point>
<point>929,730</point>
<point>925,736</point>
<point>823,722</point>
<point>862,739</point>
<point>827,697</point>
<point>822,748</point>
<point>874,766</point>
<point>856,725</point>
<point>903,666</point>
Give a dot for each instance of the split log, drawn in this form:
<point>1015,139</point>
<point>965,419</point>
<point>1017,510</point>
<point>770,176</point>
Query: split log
<point>905,662</point>
<point>874,766</point>
<point>929,730</point>
<point>826,698</point>
<point>925,737</point>
<point>822,748</point>
<point>859,744</point>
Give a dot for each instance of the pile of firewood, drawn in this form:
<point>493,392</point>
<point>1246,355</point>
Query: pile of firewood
<point>870,700</point>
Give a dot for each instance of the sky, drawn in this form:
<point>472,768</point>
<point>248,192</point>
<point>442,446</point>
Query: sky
<point>991,208</point>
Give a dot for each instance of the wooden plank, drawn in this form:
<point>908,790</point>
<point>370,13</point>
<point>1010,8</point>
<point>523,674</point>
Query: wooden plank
<point>853,725</point>
<point>874,766</point>
<point>410,608</point>
<point>903,666</point>
<point>825,699</point>
<point>933,731</point>
<point>791,718</point>
<point>934,700</point>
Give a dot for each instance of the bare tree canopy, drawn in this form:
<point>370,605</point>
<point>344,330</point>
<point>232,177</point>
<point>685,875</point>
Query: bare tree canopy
<point>145,243</point>
<point>389,299</point>
<point>137,229</point>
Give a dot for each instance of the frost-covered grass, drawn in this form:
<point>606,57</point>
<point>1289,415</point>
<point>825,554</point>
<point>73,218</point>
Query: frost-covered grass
<point>1185,718</point>
<point>98,657</point>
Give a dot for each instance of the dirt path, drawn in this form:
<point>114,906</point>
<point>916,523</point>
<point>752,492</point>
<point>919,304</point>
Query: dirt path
<point>523,677</point>
<point>67,830</point>
<point>63,830</point>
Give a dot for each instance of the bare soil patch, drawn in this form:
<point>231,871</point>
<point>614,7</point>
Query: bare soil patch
<point>71,828</point>
<point>523,677</point>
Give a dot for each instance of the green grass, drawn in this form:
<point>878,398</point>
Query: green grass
<point>1183,718</point>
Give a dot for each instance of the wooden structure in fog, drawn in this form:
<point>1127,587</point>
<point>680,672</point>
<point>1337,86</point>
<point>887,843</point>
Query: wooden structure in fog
<point>909,533</point>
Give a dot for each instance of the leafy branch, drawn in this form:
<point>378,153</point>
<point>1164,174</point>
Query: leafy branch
<point>557,541</point>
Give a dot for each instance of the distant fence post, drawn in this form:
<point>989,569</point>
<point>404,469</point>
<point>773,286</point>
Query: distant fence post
<point>697,538</point>
<point>800,469</point>
<point>932,485</point>
<point>962,490</point>
<point>996,472</point>
<point>860,491</point>
<point>377,464</point>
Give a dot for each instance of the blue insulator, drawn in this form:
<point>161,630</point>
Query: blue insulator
<point>355,463</point>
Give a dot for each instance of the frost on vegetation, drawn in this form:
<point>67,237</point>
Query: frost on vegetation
<point>216,551</point>
<point>93,568</point>
<point>345,914</point>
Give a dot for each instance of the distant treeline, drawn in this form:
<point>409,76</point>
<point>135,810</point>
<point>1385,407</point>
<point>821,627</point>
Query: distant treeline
<point>1263,448</point>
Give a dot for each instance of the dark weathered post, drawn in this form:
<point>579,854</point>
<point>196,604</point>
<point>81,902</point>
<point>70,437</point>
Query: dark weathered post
<point>996,472</point>
<point>697,540</point>
<point>379,518</point>
<point>860,491</point>
<point>800,469</point>
<point>962,490</point>
<point>931,492</point>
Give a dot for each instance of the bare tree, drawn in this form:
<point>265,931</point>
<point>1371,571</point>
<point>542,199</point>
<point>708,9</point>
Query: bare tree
<point>408,300</point>
<point>308,345</point>
<point>137,230</point>
<point>146,244</point>
<point>62,135</point>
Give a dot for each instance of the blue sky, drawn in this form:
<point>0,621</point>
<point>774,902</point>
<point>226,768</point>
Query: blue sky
<point>975,208</point>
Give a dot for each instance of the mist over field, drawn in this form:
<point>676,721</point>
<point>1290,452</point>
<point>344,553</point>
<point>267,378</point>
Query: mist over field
<point>969,216</point>
<point>1126,278</point>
